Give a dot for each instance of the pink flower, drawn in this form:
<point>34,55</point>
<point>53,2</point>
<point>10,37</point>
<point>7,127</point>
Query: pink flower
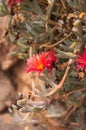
<point>39,62</point>
<point>81,61</point>
<point>12,2</point>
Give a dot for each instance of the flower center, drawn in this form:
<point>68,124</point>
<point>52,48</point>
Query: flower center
<point>40,66</point>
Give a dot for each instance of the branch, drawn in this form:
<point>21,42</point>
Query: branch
<point>55,44</point>
<point>51,5</point>
<point>60,85</point>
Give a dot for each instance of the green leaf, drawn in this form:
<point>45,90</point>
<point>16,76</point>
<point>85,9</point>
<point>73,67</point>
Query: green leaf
<point>12,38</point>
<point>3,12</point>
<point>22,40</point>
<point>31,31</point>
<point>65,54</point>
<point>5,6</point>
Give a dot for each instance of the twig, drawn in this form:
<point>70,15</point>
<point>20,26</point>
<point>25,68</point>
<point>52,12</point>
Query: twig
<point>49,2</point>
<point>60,85</point>
<point>76,124</point>
<point>26,116</point>
<point>50,9</point>
<point>70,112</point>
<point>33,89</point>
<point>63,4</point>
<point>79,90</point>
<point>30,51</point>
<point>50,46</point>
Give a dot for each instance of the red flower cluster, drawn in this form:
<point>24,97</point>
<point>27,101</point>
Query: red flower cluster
<point>12,2</point>
<point>81,61</point>
<point>39,62</point>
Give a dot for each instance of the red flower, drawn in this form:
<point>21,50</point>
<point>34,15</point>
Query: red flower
<point>39,62</point>
<point>12,2</point>
<point>51,56</point>
<point>81,61</point>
